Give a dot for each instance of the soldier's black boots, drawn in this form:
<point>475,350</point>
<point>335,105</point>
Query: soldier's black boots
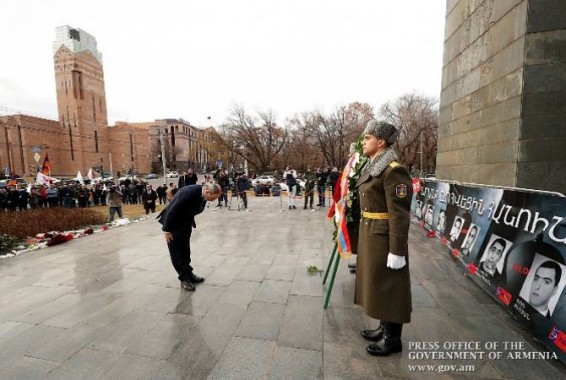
<point>374,335</point>
<point>390,341</point>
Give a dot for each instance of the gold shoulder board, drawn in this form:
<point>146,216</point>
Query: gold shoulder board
<point>394,164</point>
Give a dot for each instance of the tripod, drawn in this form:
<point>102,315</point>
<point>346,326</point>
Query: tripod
<point>236,193</point>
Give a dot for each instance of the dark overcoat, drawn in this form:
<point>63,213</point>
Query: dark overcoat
<point>179,219</point>
<point>384,293</point>
<point>179,215</point>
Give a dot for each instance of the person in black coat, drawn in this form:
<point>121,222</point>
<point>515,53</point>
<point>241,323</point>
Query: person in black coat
<point>187,179</point>
<point>13,199</point>
<point>178,220</point>
<point>149,196</point>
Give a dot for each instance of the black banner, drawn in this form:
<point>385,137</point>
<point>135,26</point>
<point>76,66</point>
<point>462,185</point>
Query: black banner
<point>513,244</point>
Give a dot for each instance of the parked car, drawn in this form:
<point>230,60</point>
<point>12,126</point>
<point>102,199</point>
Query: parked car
<point>131,178</point>
<point>276,190</point>
<point>20,182</point>
<point>300,183</point>
<point>265,180</point>
<point>151,176</point>
<point>173,174</point>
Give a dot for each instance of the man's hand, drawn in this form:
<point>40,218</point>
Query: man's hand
<point>168,237</point>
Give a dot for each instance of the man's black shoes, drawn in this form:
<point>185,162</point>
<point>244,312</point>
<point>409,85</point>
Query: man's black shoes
<point>196,279</point>
<point>389,341</point>
<point>187,285</point>
<point>373,335</point>
<point>385,346</point>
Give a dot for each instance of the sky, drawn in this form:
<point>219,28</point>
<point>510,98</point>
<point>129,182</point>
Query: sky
<point>198,59</point>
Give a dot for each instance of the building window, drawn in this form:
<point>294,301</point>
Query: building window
<point>93,109</point>
<point>71,143</point>
<point>74,34</point>
<point>96,141</point>
<point>78,84</point>
<point>131,148</point>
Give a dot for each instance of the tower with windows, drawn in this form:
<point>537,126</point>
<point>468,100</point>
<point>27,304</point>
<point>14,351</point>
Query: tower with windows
<point>81,98</point>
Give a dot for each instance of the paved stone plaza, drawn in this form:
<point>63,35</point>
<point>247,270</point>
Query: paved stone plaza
<point>109,306</point>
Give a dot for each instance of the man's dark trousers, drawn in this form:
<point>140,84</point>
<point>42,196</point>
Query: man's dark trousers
<point>180,252</point>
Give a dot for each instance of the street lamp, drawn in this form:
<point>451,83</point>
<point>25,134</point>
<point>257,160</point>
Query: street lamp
<point>163,164</point>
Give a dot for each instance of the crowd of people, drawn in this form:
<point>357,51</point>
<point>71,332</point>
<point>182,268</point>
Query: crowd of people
<point>316,183</point>
<point>72,194</point>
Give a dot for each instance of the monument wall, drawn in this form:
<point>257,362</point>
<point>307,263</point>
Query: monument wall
<point>501,113</point>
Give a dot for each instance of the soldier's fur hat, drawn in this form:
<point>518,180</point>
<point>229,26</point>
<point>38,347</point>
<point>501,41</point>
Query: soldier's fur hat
<point>382,130</point>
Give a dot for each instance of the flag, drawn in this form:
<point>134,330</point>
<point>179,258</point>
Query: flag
<point>80,178</point>
<point>90,174</point>
<point>44,179</point>
<point>335,197</point>
<point>46,168</point>
<point>341,206</point>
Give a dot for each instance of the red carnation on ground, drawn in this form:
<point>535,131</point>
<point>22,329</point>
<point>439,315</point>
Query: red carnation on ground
<point>56,240</point>
<point>59,239</point>
<point>472,268</point>
<point>504,296</point>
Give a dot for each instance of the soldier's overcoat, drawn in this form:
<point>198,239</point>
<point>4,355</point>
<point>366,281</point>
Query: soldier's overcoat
<point>384,293</point>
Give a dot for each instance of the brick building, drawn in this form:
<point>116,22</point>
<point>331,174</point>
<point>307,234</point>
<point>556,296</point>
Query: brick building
<point>81,138</point>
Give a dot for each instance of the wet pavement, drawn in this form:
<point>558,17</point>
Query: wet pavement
<point>109,306</point>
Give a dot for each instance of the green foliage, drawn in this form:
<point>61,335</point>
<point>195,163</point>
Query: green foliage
<point>7,243</point>
<point>312,269</point>
<point>353,213</point>
<point>26,224</point>
<point>353,208</point>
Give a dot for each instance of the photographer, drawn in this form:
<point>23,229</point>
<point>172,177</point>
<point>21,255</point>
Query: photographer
<point>114,201</point>
<point>242,184</point>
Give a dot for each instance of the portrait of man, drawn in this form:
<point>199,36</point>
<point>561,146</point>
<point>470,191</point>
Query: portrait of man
<point>543,285</point>
<point>492,259</point>
<point>470,239</point>
<point>456,228</point>
<point>441,223</point>
<point>418,209</point>
<point>429,214</point>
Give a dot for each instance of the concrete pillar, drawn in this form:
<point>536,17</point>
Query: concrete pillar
<point>502,108</point>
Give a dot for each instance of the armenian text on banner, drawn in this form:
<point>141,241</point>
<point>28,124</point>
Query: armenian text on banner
<point>512,243</point>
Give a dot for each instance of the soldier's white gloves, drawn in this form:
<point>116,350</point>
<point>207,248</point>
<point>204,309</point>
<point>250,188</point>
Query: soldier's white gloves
<point>395,262</point>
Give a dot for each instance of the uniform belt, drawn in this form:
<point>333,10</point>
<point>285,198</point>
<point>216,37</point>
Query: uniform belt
<point>375,215</point>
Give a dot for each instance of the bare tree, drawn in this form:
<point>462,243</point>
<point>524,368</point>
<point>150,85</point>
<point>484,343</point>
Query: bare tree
<point>416,116</point>
<point>302,148</point>
<point>256,139</point>
<point>338,130</point>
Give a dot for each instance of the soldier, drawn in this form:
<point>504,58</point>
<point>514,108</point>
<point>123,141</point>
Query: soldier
<point>383,286</point>
<point>310,181</point>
